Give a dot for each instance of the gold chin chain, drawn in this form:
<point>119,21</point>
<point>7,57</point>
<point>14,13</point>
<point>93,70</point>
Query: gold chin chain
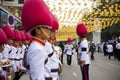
<point>44,33</point>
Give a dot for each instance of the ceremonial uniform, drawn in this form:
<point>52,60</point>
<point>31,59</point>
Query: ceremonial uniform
<point>10,35</point>
<point>68,50</point>
<point>8,47</point>
<point>23,48</point>
<point>3,40</point>
<point>36,57</point>
<point>52,61</point>
<point>49,50</point>
<point>15,54</point>
<point>52,58</point>
<point>83,51</point>
<point>12,56</point>
<point>83,56</point>
<point>6,51</point>
<point>37,16</point>
<point>54,66</point>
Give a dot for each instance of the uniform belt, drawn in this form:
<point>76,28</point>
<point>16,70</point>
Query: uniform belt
<point>48,78</point>
<point>50,54</point>
<point>17,59</point>
<point>11,58</point>
<point>55,70</point>
<point>14,59</point>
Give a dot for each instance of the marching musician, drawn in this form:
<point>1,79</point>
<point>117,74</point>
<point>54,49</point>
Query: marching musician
<point>83,56</point>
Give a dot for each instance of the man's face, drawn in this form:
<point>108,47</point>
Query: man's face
<point>27,42</point>
<point>52,34</point>
<point>10,41</point>
<point>16,43</point>
<point>44,32</point>
<point>1,47</point>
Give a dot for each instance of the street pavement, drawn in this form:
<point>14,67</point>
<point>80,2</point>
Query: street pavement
<point>100,69</point>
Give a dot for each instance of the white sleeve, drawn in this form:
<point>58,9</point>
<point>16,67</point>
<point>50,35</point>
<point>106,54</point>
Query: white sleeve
<point>5,52</point>
<point>36,63</point>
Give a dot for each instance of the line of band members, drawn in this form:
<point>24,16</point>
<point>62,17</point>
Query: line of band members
<point>15,51</point>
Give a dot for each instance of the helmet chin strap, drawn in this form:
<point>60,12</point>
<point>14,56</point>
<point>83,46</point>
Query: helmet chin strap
<point>44,33</point>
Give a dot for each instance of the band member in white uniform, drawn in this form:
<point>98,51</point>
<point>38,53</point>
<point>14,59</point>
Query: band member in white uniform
<point>23,48</point>
<point>3,40</point>
<point>83,56</point>
<point>52,60</point>
<point>10,35</point>
<point>54,63</point>
<point>37,19</point>
<point>14,55</point>
<point>8,47</point>
<point>69,51</point>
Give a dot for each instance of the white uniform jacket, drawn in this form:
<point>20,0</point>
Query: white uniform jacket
<point>21,56</point>
<point>54,65</point>
<point>5,52</point>
<point>83,51</point>
<point>68,49</point>
<point>49,50</point>
<point>36,57</point>
<point>12,55</point>
<point>52,60</point>
<point>17,57</point>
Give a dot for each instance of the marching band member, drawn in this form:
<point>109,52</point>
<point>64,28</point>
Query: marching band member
<point>15,54</point>
<point>3,40</point>
<point>23,48</point>
<point>83,56</point>
<point>52,60</point>
<point>8,47</point>
<point>69,51</point>
<point>37,19</point>
<point>10,35</point>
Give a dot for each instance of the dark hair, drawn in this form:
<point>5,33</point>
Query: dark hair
<point>33,32</point>
<point>82,36</point>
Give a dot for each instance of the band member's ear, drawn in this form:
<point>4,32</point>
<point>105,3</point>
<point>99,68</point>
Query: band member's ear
<point>84,49</point>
